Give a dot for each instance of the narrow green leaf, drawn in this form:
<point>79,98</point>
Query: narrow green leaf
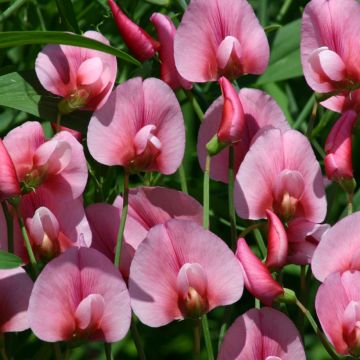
<point>270,28</point>
<point>18,38</point>
<point>159,2</point>
<point>9,260</point>
<point>67,15</point>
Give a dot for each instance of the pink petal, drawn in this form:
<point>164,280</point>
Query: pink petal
<point>257,277</point>
<point>254,336</point>
<point>89,71</point>
<point>90,312</point>
<point>153,285</point>
<point>166,32</point>
<point>277,242</point>
<point>71,278</point>
<point>15,289</point>
<point>205,25</point>
<point>191,275</point>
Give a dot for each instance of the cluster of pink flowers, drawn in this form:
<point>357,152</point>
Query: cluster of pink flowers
<point>170,266</point>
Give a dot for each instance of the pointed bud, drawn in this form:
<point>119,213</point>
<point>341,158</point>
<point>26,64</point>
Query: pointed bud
<point>288,297</point>
<point>141,44</point>
<point>277,243</point>
<point>338,148</point>
<point>257,277</point>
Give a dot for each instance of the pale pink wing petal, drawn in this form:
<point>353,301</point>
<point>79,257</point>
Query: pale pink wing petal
<point>338,250</point>
<point>21,143</point>
<point>15,290</point>
<point>298,155</point>
<point>257,174</point>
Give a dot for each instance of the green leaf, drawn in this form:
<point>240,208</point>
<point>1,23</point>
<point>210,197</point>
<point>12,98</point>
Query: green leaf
<point>18,38</point>
<point>9,260</point>
<point>284,61</point>
<point>67,14</point>
<point>159,2</point>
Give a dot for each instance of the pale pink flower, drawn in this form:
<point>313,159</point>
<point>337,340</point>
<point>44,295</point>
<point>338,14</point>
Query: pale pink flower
<point>15,290</point>
<point>193,273</point>
<point>330,49</point>
<point>265,334</point>
<point>83,77</point>
<point>141,127</point>
<point>337,306</point>
<point>57,165</point>
<point>79,295</point>
<point>220,38</point>
<point>260,111</point>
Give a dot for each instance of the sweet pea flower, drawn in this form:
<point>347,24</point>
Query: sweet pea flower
<point>83,77</point>
<point>141,44</point>
<point>259,110</point>
<point>15,290</point>
<point>280,173</point>
<point>89,299</point>
<point>148,206</point>
<point>265,334</point>
<point>329,50</point>
<point>220,38</point>
<point>337,306</point>
<point>338,250</point>
<point>338,147</point>
<point>141,127</point>
<point>194,272</point>
<point>56,165</point>
<point>257,278</point>
<point>166,31</point>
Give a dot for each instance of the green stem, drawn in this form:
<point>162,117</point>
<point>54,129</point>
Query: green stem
<point>10,227</point>
<point>58,122</point>
<point>312,119</point>
<point>124,212</point>
<point>305,112</point>
<point>108,351</point>
<point>137,340</point>
<point>317,331</point>
<point>207,338</point>
<point>302,298</point>
<point>12,9</point>
<point>3,347</point>
<point>252,227</point>
<point>226,321</point>
<point>206,195</point>
<point>57,351</point>
<point>260,243</point>
<point>350,204</point>
<point>283,10</point>
<point>231,177</point>
<point>197,109</point>
<point>197,339</point>
<point>182,176</point>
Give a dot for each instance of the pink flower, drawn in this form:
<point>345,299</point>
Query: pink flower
<point>141,44</point>
<point>339,248</point>
<point>265,334</point>
<point>15,290</point>
<point>257,278</point>
<point>83,77</point>
<point>166,32</point>
<point>260,111</point>
<point>338,147</point>
<point>148,206</point>
<point>88,299</point>
<point>141,127</point>
<point>220,38</point>
<point>57,165</point>
<point>330,47</point>
<point>280,173</point>
<point>194,272</point>
<point>76,134</point>
<point>338,308</point>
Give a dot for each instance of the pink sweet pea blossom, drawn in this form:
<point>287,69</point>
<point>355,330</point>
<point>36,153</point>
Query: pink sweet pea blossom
<point>141,44</point>
<point>339,248</point>
<point>220,38</point>
<point>260,111</point>
<point>15,290</point>
<point>56,165</point>
<point>280,173</point>
<point>80,294</point>
<point>338,147</point>
<point>141,127</point>
<point>194,272</point>
<point>83,77</point>
<point>330,50</point>
<point>338,308</point>
<point>257,278</point>
<point>148,206</point>
<point>166,32</point>
<point>265,334</point>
